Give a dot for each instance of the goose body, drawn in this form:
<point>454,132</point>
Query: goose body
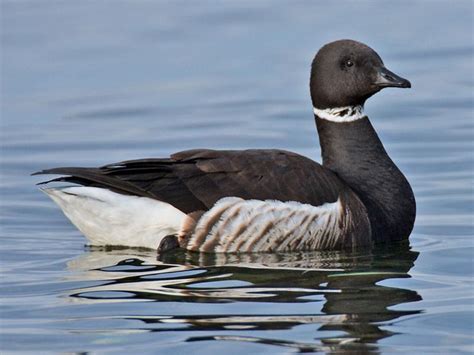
<point>259,200</point>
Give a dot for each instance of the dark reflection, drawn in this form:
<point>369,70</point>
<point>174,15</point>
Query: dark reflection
<point>343,288</point>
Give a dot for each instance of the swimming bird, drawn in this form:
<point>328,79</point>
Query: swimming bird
<point>259,200</point>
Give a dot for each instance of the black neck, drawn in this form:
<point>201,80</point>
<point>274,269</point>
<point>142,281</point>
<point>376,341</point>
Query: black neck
<point>355,153</point>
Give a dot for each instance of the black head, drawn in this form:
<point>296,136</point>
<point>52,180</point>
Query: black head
<point>346,73</point>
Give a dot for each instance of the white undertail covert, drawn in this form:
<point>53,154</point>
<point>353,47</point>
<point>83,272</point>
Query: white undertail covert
<point>109,218</point>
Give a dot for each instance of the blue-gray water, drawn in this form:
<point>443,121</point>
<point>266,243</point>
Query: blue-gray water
<point>93,82</point>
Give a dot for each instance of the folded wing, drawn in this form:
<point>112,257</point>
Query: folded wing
<point>195,180</point>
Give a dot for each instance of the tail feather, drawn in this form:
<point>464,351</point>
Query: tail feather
<point>109,218</point>
<point>94,176</point>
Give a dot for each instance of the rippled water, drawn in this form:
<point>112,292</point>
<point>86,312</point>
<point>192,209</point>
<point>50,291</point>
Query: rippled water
<point>91,82</point>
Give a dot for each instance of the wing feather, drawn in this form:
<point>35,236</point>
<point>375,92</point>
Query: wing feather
<point>195,179</point>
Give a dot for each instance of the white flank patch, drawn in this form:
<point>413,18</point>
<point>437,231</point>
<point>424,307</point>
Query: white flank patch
<point>256,225</point>
<point>109,218</point>
<point>341,114</point>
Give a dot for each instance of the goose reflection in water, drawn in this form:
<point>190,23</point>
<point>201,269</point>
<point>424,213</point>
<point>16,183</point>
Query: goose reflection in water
<point>350,306</point>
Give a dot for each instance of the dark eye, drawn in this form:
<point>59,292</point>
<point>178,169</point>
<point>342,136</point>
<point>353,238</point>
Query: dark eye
<point>349,63</point>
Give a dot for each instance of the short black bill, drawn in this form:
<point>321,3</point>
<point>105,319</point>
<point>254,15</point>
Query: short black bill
<point>385,79</point>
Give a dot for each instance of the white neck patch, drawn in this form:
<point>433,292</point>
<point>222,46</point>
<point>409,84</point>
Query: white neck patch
<point>341,114</point>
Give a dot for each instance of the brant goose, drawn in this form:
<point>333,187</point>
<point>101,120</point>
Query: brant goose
<point>259,200</point>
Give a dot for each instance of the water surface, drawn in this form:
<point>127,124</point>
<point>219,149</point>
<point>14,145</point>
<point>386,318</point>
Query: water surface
<point>89,83</point>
